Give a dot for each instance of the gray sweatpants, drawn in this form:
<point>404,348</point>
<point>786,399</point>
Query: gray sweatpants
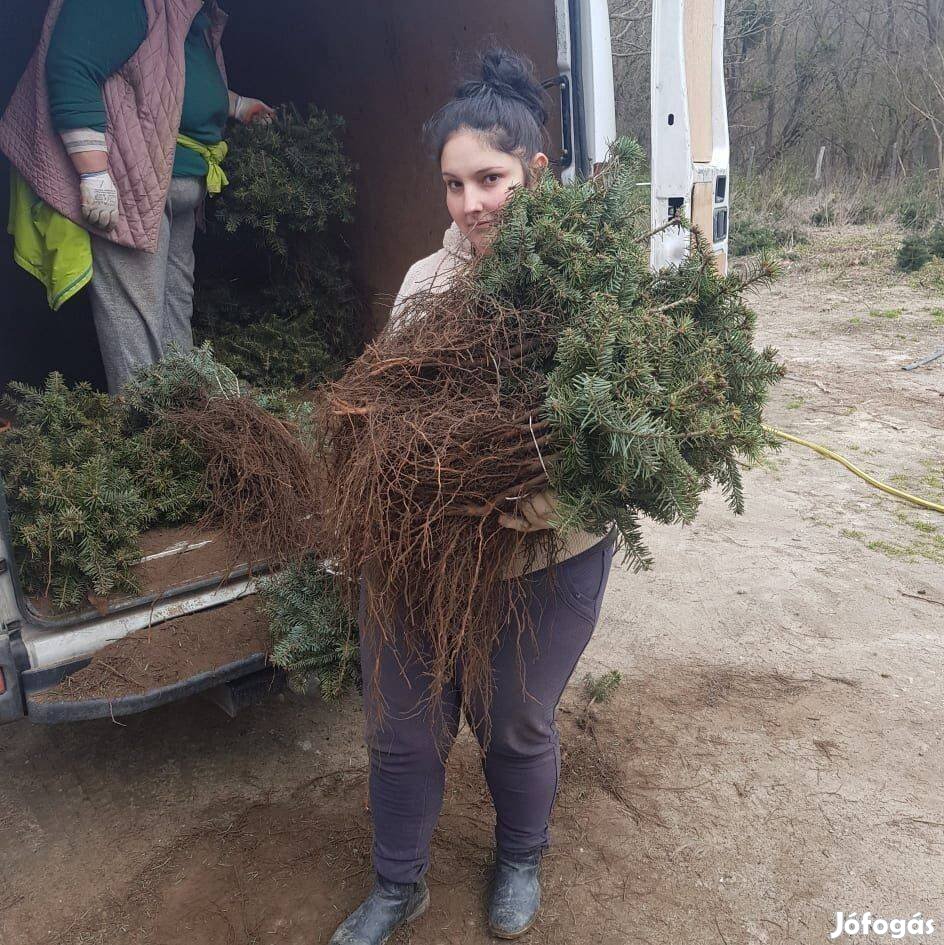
<point>522,758</point>
<point>143,302</point>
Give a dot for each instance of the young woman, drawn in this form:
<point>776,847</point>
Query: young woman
<point>489,140</point>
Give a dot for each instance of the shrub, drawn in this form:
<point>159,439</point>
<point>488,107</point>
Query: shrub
<point>752,234</point>
<point>864,214</point>
<point>936,240</point>
<point>913,253</point>
<point>824,216</point>
<point>920,203</point>
<point>82,486</point>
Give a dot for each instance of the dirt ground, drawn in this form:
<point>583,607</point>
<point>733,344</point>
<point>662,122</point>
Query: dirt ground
<point>773,755</point>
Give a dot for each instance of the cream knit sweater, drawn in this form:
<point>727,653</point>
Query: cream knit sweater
<point>433,273</point>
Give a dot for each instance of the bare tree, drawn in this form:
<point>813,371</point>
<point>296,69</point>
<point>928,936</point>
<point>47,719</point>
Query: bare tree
<point>863,77</point>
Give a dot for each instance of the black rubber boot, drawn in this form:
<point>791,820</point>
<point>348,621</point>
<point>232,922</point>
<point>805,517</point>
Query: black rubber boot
<point>516,894</point>
<point>388,906</point>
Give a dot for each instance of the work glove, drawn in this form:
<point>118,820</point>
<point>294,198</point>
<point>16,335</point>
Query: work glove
<point>99,199</point>
<point>249,110</point>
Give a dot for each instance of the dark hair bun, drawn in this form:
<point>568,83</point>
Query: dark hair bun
<point>509,76</point>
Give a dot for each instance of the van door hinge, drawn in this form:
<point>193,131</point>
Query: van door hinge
<point>562,82</point>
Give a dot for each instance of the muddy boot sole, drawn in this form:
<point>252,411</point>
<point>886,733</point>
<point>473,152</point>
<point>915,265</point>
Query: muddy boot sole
<point>508,936</point>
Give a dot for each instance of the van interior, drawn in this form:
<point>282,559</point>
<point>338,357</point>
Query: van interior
<point>383,66</point>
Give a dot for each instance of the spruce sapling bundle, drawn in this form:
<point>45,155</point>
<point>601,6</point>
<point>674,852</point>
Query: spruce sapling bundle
<point>260,477</point>
<point>557,360</point>
<point>314,636</point>
<point>86,473</point>
<point>273,291</point>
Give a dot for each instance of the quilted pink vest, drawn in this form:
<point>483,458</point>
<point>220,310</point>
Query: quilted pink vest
<point>143,102</point>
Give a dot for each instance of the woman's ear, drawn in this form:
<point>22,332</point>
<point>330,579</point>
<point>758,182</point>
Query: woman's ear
<point>540,161</point>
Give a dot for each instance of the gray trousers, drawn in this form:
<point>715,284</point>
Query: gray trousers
<point>143,302</point>
<point>522,758</point>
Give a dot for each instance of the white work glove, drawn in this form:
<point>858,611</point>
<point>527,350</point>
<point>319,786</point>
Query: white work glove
<point>99,199</point>
<point>249,110</point>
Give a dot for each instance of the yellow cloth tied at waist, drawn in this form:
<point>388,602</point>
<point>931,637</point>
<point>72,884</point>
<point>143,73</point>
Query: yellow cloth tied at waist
<point>213,154</point>
<point>47,245</point>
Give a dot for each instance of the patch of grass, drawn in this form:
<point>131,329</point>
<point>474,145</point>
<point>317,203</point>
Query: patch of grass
<point>851,533</point>
<point>855,321</point>
<point>795,404</point>
<point>933,478</point>
<point>937,316</point>
<point>891,551</point>
<point>925,528</point>
<point>928,544</point>
<point>886,312</point>
<point>865,213</point>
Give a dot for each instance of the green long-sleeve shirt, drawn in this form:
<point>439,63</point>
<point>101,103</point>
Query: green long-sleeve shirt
<point>94,38</point>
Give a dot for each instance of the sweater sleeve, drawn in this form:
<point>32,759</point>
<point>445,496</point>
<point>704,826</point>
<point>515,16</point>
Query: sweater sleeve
<point>407,289</point>
<point>92,40</point>
<point>432,274</point>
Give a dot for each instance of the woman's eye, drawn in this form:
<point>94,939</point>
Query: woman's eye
<point>492,178</point>
<point>454,185</point>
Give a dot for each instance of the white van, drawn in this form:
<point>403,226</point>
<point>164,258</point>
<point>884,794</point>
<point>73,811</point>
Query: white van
<point>385,66</point>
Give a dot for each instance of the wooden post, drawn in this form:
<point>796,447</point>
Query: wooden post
<point>893,161</point>
<point>819,162</point>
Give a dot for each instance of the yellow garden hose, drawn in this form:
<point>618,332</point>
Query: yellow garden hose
<point>871,480</point>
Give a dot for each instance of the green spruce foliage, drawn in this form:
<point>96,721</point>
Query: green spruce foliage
<point>314,635</point>
<point>913,253</point>
<point>600,689</point>
<point>655,391</point>
<point>85,474</point>
<point>272,291</point>
<point>180,381</point>
<point>921,203</point>
<point>936,240</point>
<point>753,234</point>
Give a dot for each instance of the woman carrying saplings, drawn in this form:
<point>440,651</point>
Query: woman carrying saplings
<point>489,140</point>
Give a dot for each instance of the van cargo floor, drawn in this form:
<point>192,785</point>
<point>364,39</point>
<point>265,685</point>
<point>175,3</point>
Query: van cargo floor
<point>166,654</point>
<point>170,558</point>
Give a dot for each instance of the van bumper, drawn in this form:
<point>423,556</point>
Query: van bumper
<point>52,713</point>
<point>13,662</point>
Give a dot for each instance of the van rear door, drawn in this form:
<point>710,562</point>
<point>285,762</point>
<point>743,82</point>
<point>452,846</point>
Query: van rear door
<point>585,60</point>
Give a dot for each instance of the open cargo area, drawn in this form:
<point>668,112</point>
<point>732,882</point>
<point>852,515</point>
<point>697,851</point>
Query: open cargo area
<point>384,69</point>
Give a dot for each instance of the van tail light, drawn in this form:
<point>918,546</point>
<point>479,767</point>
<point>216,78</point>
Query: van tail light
<point>3,682</point>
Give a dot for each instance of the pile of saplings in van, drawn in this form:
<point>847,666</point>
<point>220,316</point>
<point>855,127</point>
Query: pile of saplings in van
<point>273,291</point>
<point>86,474</point>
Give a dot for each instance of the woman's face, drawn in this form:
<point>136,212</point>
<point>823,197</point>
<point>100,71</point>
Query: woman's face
<point>478,181</point>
